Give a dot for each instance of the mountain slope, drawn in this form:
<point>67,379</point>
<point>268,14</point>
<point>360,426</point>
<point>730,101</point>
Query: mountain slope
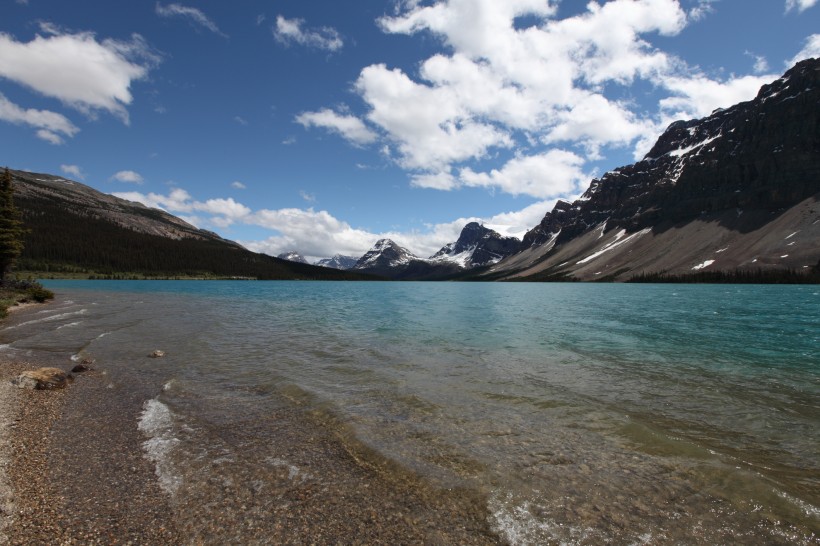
<point>76,229</point>
<point>737,190</point>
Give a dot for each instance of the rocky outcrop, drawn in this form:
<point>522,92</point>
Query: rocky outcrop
<point>735,171</point>
<point>43,379</point>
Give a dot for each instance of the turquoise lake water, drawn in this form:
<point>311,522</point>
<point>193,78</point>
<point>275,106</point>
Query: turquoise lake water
<point>581,413</point>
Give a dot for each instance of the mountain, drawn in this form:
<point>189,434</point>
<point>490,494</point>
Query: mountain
<point>338,261</point>
<point>477,246</point>
<point>292,256</point>
<point>733,193</point>
<point>75,229</point>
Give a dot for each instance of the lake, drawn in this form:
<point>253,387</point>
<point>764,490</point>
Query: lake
<point>574,413</point>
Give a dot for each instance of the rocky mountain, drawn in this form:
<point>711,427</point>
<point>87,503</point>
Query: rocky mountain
<point>738,190</point>
<point>477,246</point>
<point>75,229</point>
<point>292,256</point>
<point>338,261</point>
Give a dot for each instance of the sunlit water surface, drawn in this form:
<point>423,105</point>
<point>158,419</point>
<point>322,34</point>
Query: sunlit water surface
<point>581,413</point>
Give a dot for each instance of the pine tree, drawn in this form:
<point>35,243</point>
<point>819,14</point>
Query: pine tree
<point>11,226</point>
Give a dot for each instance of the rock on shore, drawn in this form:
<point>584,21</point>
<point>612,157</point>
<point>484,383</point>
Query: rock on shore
<point>43,379</point>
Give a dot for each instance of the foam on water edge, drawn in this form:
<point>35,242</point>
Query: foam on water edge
<point>157,422</point>
<point>515,521</point>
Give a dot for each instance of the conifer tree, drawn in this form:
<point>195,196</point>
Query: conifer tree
<point>11,226</point>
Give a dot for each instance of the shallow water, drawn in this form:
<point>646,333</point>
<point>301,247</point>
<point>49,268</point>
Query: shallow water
<point>580,414</point>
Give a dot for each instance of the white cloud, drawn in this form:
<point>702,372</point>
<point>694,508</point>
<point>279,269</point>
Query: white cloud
<point>502,92</point>
<point>697,96</point>
<point>73,170</point>
<point>430,126</point>
<point>548,175</point>
<point>811,50</point>
<point>799,5</point>
<point>288,31</point>
<point>240,120</point>
<point>701,10</point>
<point>236,184</point>
<point>349,127</point>
<point>505,88</point>
<point>222,212</point>
<point>49,125</point>
<point>761,65</point>
<point>77,69</point>
<point>129,177</point>
<point>195,15</point>
<point>309,197</point>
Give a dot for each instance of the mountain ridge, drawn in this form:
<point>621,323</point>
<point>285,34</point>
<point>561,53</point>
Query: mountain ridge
<point>709,196</point>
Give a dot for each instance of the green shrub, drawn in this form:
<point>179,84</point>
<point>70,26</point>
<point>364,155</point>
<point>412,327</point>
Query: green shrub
<point>38,293</point>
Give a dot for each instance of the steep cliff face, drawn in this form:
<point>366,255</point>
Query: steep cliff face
<point>736,170</point>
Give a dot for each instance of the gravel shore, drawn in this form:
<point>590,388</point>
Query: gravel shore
<point>73,471</point>
<point>57,492</point>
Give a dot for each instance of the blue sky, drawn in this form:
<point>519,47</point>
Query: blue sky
<point>322,126</point>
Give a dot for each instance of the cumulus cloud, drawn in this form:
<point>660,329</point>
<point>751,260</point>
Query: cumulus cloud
<point>811,50</point>
<point>799,5</point>
<point>73,170</point>
<point>505,92</point>
<point>551,174</point>
<point>49,125</point>
<point>291,31</point>
<point>350,127</point>
<point>194,15</point>
<point>236,184</point>
<point>78,70</point>
<point>129,177</point>
<point>697,96</point>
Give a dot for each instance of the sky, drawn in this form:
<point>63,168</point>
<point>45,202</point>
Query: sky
<point>321,126</point>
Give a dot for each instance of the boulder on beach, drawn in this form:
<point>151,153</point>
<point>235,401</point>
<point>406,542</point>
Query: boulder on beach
<point>43,379</point>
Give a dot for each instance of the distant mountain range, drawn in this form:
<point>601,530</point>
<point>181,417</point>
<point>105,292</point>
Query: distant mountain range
<point>477,246</point>
<point>75,229</point>
<point>338,262</point>
<point>732,196</point>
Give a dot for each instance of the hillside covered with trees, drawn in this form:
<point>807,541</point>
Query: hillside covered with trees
<point>74,230</point>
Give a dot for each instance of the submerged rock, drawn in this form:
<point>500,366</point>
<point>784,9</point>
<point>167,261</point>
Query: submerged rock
<point>84,365</point>
<point>43,379</point>
<point>157,354</point>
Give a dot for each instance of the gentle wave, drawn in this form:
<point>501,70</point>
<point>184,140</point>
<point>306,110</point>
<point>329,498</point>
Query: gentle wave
<point>157,422</point>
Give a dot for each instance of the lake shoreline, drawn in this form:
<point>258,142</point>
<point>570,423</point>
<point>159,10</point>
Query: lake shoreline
<point>73,470</point>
